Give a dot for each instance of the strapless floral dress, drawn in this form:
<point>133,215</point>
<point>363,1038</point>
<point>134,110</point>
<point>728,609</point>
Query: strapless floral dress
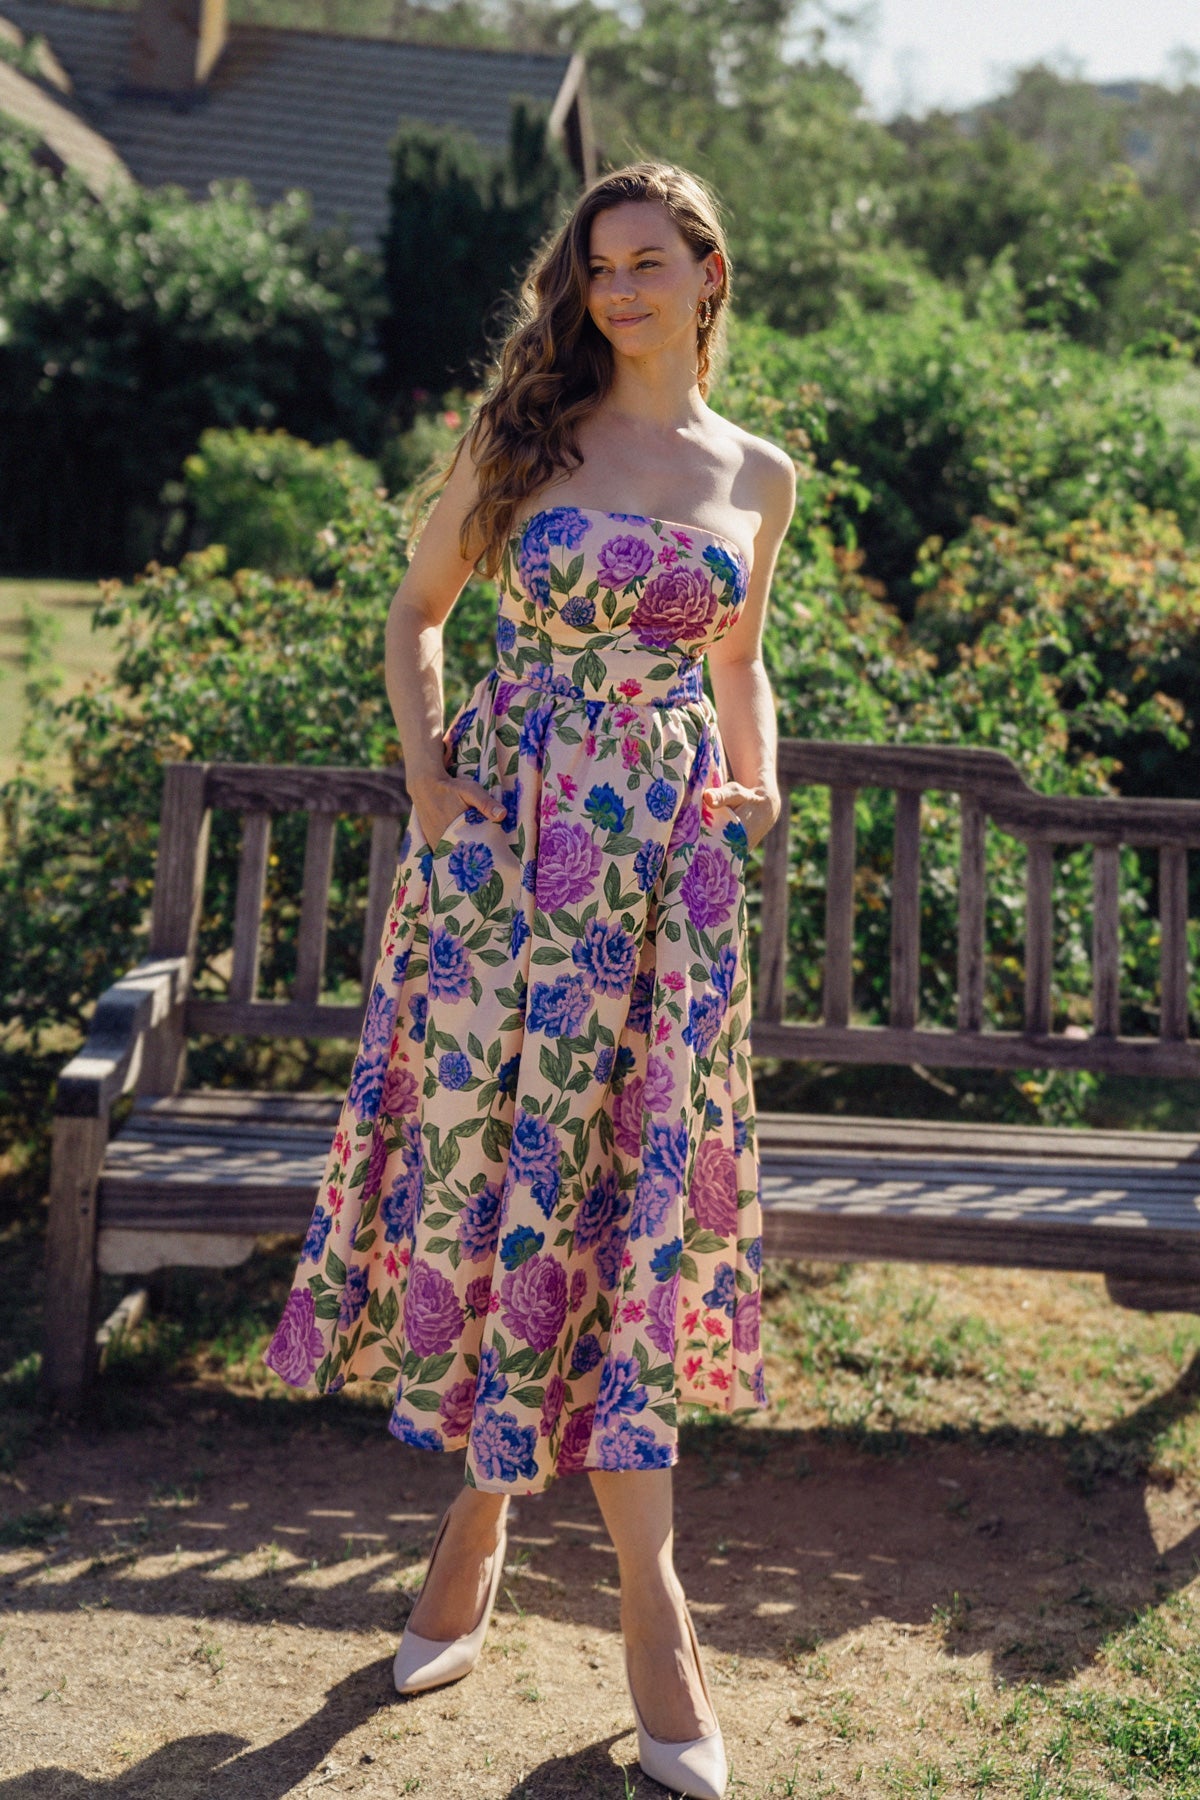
<point>540,1220</point>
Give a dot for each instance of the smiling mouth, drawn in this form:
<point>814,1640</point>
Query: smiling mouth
<point>629,319</point>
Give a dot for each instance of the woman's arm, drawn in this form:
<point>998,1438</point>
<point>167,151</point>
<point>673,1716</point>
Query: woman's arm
<point>413,658</point>
<point>742,693</point>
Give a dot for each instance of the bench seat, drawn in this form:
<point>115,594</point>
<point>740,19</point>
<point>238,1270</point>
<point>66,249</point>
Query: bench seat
<point>195,1177</point>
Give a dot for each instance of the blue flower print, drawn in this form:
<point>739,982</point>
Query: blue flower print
<point>491,1386</point>
<point>605,1058</point>
<point>318,1231</point>
<point>454,1069</point>
<point>420,1013</point>
<point>722,1294</point>
<point>558,1007</point>
<point>605,807</point>
<point>470,864</point>
<point>354,1295</point>
<point>608,954</point>
<point>629,1446</point>
<point>660,798</point>
<point>519,933</point>
<point>754,1254</point>
<point>665,1260</point>
<point>704,1022</point>
<point>504,1449</point>
<point>402,1427</point>
<point>728,568</point>
<point>521,1243</point>
<point>621,1389</point>
<point>647,864</point>
<point>506,632</point>
<point>587,1354</point>
<point>579,612</point>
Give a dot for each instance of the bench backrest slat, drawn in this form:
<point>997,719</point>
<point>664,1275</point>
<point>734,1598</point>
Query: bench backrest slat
<point>385,833</point>
<point>906,910</point>
<point>1173,924</point>
<point>314,905</point>
<point>839,908</point>
<point>972,912</point>
<point>1106,941</point>
<point>248,908</point>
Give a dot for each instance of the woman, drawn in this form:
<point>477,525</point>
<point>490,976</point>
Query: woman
<point>540,1219</point>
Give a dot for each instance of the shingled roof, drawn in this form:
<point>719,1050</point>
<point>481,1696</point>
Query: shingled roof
<point>297,109</point>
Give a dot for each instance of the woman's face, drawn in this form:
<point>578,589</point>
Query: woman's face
<point>644,281</point>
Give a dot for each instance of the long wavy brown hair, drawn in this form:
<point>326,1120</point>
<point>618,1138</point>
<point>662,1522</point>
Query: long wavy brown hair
<point>554,366</point>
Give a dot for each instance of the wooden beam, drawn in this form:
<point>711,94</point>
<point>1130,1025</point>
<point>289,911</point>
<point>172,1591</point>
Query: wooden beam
<point>1039,938</point>
<point>1106,942</point>
<point>773,913</point>
<point>69,1319</point>
<point>1173,903</point>
<point>839,908</point>
<point>972,905</point>
<point>314,907</point>
<point>247,918</point>
<point>179,871</point>
<point>906,911</point>
<point>381,877</point>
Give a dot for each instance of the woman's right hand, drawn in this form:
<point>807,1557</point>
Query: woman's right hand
<point>437,799</point>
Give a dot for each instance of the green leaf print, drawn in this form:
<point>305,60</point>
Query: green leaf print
<point>327,1307</point>
<point>335,1268</point>
<point>529,1396</point>
<point>424,1399</point>
<point>434,1367</point>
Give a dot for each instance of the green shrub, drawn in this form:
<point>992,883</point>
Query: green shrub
<point>130,324</point>
<point>265,495</point>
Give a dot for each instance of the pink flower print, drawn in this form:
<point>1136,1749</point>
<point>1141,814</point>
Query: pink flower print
<point>569,786</point>
<point>691,1320</point>
<point>589,743</point>
<point>633,1312</point>
<point>681,537</point>
<point>391,1265</point>
<point>629,687</point>
<point>721,1378</point>
<point>686,828</point>
<point>479,1294</point>
<point>623,716</point>
<point>663,1031</point>
<point>631,753</point>
<point>405,1256</point>
<point>709,890</point>
<point>399,1095</point>
<point>668,555</point>
<point>713,1193</point>
<point>714,1326</point>
<point>677,607</point>
<point>627,1260</point>
<point>673,980</point>
<point>692,1366</point>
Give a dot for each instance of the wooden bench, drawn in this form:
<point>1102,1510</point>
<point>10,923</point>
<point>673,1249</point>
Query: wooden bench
<point>193,1177</point>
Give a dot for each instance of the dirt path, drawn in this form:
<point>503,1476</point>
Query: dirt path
<point>214,1609</point>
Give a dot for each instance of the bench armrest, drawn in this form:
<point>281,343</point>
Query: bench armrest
<point>107,1065</point>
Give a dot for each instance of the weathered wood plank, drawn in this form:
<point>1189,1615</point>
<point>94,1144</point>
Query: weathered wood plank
<point>974,1050</point>
<point>771,972</point>
<point>906,910</point>
<point>1039,938</point>
<point>782,1134</point>
<point>1154,1296</point>
<point>943,768</point>
<point>273,1018</point>
<point>204,1105</point>
<point>180,865</point>
<point>247,919</point>
<point>1106,942</point>
<point>839,909</point>
<point>299,787</point>
<point>1096,819</point>
<point>314,906</point>
<point>69,1322</point>
<point>972,905</point>
<point>385,832</point>
<point>1173,901</point>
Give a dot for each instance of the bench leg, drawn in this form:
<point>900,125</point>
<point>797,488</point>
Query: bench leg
<point>69,1345</point>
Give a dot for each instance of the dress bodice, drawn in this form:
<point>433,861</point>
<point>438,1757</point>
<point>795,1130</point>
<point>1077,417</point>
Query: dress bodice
<point>615,606</point>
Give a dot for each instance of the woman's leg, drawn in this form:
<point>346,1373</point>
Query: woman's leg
<point>455,1588</point>
<point>637,1505</point>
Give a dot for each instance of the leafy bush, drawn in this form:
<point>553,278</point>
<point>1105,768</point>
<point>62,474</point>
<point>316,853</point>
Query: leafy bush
<point>129,325</point>
<point>265,495</point>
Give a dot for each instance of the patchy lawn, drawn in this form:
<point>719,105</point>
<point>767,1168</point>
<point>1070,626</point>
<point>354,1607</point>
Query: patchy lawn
<point>959,1558</point>
<point>57,615</point>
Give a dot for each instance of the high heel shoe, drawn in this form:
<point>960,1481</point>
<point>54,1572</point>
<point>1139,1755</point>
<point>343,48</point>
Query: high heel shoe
<point>422,1662</point>
<point>693,1766</point>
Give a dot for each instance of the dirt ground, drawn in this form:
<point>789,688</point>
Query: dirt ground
<point>215,1606</point>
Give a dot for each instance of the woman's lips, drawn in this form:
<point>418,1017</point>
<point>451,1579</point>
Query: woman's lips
<point>632,319</point>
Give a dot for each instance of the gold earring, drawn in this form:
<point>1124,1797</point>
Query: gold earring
<point>704,313</point>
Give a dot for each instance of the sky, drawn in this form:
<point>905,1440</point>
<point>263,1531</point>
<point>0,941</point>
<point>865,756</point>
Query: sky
<point>921,53</point>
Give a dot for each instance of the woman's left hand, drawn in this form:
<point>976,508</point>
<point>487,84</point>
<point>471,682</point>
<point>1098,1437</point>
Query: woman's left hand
<point>758,808</point>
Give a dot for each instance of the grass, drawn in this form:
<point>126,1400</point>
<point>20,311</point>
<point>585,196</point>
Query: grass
<point>45,626</point>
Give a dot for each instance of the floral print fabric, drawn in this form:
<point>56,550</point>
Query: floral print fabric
<point>540,1217</point>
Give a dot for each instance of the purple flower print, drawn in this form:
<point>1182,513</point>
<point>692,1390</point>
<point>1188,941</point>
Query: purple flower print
<point>629,1446</point>
<point>599,1210</point>
<point>578,612</point>
<point>622,560</point>
<point>370,1065</point>
<point>318,1231</point>
<point>577,1435</point>
<point>722,1295</point>
<point>647,864</point>
<point>354,1295</point>
<point>746,1322</point>
<point>578,1289</point>
<point>535,725</point>
<point>432,1314</point>
<point>710,887</point>
<point>760,1385</point>
<point>725,971</point>
<point>492,1386</point>
<point>375,1165</point>
<point>504,1450</point>
<point>661,1177</point>
<point>652,1202</point>
<point>587,1354</point>
<point>297,1346</point>
<point>479,1295</point>
<point>660,798</point>
<point>568,865</point>
<point>640,1001</point>
<point>607,954</point>
<point>559,1007</point>
<point>659,1090</point>
<point>479,1223</point>
<point>454,1069</point>
<point>552,1404</point>
<point>686,828</point>
<point>533,1300</point>
<point>607,1256</point>
<point>564,525</point>
<point>704,1021</point>
<point>399,1093</point>
<point>660,1320</point>
<point>456,1407</point>
<point>621,1389</point>
<point>713,1193</point>
<point>677,607</point>
<point>449,966</point>
<point>754,1254</point>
